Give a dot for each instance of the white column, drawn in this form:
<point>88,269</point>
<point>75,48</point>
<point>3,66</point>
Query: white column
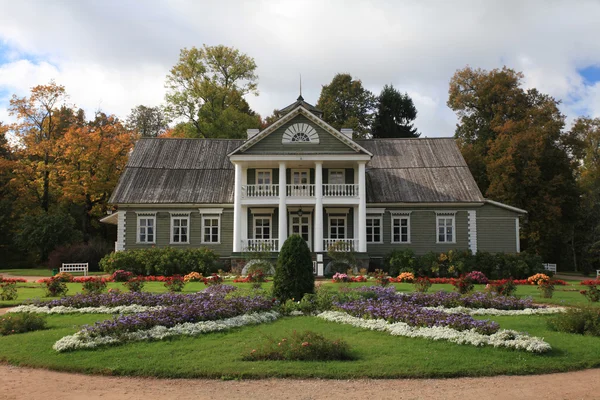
<point>318,206</point>
<point>237,209</point>
<point>121,229</point>
<point>472,224</point>
<point>362,209</point>
<point>282,205</point>
<point>244,227</point>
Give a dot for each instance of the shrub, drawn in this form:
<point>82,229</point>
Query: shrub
<point>340,278</point>
<point>584,321</point>
<point>381,278</point>
<point>12,323</point>
<point>537,279</point>
<point>121,276</point>
<point>422,284</point>
<point>55,287</point>
<point>193,277</point>
<point>305,346</point>
<point>258,265</point>
<point>547,288</point>
<point>175,283</point>
<point>477,277</point>
<point>213,280</point>
<point>91,252</point>
<point>405,277</point>
<point>9,291</point>
<point>592,294</point>
<point>294,274</point>
<point>399,261</point>
<point>343,258</point>
<point>135,284</point>
<point>63,277</point>
<point>463,285</point>
<point>504,287</point>
<point>94,286</point>
<point>165,261</point>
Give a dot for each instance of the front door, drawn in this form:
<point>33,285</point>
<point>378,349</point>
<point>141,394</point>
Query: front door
<point>301,226</point>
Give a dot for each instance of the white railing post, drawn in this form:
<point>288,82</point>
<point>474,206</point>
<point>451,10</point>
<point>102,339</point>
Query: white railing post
<point>282,205</point>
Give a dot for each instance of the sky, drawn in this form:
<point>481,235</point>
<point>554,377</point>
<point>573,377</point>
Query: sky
<point>113,55</point>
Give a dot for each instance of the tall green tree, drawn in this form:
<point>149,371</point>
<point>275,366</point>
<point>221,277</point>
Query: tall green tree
<point>347,104</point>
<point>205,89</point>
<point>511,139</point>
<point>395,115</point>
<point>147,121</point>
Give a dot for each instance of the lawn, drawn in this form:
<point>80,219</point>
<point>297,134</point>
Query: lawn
<point>378,355</point>
<point>39,272</point>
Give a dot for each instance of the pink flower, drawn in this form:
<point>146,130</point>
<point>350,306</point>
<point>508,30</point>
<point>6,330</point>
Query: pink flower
<point>305,344</point>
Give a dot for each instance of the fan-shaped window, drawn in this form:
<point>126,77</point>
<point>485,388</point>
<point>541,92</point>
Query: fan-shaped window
<point>300,133</point>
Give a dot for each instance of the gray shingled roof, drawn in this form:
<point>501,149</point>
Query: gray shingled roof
<point>418,171</point>
<point>178,171</point>
<point>198,171</point>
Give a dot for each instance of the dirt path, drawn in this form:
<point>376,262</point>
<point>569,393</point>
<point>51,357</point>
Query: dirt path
<point>16,383</point>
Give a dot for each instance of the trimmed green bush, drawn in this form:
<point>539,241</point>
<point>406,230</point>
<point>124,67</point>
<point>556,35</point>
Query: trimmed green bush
<point>584,321</point>
<point>294,274</point>
<point>165,261</point>
<point>12,323</point>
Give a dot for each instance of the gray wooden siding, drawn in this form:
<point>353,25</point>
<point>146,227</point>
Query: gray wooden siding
<point>422,234</point>
<point>272,143</point>
<point>163,231</point>
<point>496,231</point>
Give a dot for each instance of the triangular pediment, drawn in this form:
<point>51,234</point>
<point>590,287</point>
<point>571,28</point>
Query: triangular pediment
<point>298,132</point>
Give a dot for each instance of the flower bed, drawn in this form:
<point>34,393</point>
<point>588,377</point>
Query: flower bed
<point>125,309</point>
<point>501,338</point>
<point>83,340</point>
<point>12,280</point>
<point>590,282</point>
<point>494,311</point>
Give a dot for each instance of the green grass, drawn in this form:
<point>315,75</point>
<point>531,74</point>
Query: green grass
<point>379,355</point>
<point>40,272</point>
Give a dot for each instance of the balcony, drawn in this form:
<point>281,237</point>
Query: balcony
<point>340,190</point>
<point>258,191</point>
<point>341,244</point>
<point>302,190</point>
<point>259,245</point>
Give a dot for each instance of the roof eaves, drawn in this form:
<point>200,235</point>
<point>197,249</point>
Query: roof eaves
<point>505,206</point>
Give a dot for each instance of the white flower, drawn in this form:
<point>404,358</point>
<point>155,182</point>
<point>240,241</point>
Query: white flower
<point>130,309</point>
<point>502,338</point>
<point>494,311</point>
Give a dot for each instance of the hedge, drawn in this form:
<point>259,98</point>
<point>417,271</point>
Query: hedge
<point>165,261</point>
<point>456,263</point>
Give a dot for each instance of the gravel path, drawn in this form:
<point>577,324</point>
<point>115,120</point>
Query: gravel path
<point>16,383</point>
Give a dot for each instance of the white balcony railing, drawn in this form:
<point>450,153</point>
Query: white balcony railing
<point>340,190</point>
<point>254,245</point>
<point>341,244</point>
<point>253,191</point>
<point>306,190</point>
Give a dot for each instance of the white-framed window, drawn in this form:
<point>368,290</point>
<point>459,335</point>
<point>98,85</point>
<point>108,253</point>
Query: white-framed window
<point>211,229</point>
<point>180,229</point>
<point>146,232</point>
<point>374,231</point>
<point>300,177</point>
<point>337,227</point>
<point>262,227</point>
<point>336,177</point>
<point>263,177</point>
<point>401,228</point>
<point>445,227</point>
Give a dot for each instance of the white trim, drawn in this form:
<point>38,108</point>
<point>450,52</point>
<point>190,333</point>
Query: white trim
<point>179,216</point>
<point>210,210</point>
<point>380,218</point>
<point>472,224</point>
<point>445,215</point>
<point>371,211</point>
<point>146,213</point>
<point>254,218</point>
<point>149,216</point>
<point>293,215</point>
<point>121,230</point>
<point>263,170</point>
<point>345,218</point>
<point>400,217</point>
<point>298,128</point>
<point>203,226</point>
<point>173,206</point>
<point>342,170</point>
<point>299,157</point>
<point>111,219</point>
<point>401,212</point>
<point>300,171</point>
<point>506,206</point>
<point>307,210</point>
<point>337,210</point>
<point>255,210</point>
<point>180,213</point>
<point>518,232</point>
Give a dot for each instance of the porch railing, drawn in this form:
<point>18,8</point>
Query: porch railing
<point>306,190</point>
<point>254,245</point>
<point>254,191</point>
<point>340,190</point>
<point>341,244</point>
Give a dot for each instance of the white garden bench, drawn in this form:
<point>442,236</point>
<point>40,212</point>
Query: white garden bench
<point>75,267</point>
<point>550,267</point>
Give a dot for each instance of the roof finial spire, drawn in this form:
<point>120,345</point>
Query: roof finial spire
<point>300,97</point>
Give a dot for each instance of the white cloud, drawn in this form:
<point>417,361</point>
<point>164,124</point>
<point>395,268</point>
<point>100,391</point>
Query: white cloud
<point>116,54</point>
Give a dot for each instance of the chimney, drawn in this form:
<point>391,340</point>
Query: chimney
<point>252,132</point>
<point>347,132</point>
